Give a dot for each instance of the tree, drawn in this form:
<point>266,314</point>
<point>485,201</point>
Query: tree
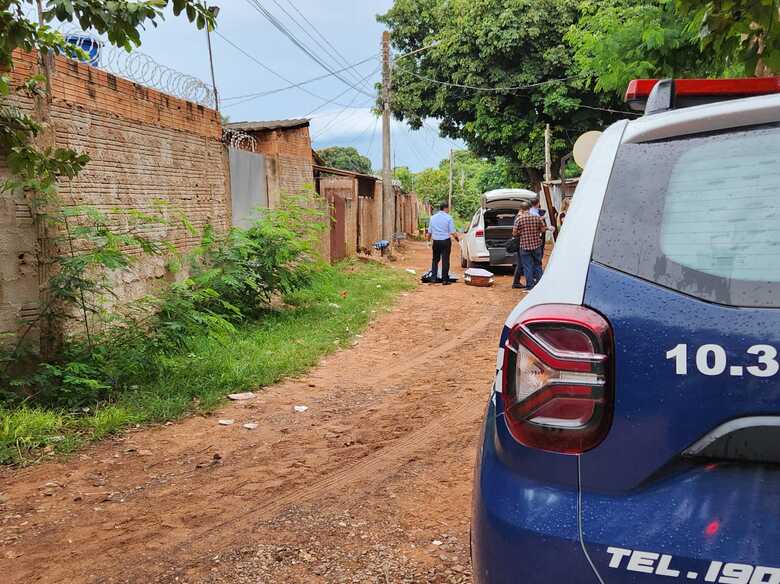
<point>35,169</point>
<point>406,177</point>
<point>431,185</point>
<point>346,158</point>
<point>472,177</point>
<point>616,41</point>
<point>493,44</point>
<point>745,32</point>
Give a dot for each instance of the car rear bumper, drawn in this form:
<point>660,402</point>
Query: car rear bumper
<point>522,530</point>
<point>500,257</point>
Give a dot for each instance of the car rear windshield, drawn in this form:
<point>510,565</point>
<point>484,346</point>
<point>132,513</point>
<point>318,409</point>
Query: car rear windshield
<point>700,215</point>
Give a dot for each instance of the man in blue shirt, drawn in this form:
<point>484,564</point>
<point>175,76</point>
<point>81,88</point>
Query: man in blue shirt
<point>440,228</point>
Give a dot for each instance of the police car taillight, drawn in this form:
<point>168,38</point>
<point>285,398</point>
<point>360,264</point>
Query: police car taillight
<point>557,383</point>
<point>657,95</point>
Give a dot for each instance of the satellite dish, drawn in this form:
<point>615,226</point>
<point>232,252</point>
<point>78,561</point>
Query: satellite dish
<point>584,146</point>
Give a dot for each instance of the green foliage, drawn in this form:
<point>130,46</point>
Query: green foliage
<point>36,170</point>
<point>237,276</point>
<point>432,185</point>
<point>119,20</point>
<point>406,177</point>
<point>317,319</point>
<point>493,44</point>
<point>25,429</point>
<point>565,60</point>
<point>472,177</point>
<point>742,32</point>
<point>616,41</point>
<point>232,278</point>
<point>346,158</point>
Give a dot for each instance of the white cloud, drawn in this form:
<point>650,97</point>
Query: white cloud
<point>360,128</point>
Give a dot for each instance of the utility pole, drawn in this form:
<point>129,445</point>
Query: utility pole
<point>388,195</point>
<point>449,198</point>
<point>214,10</point>
<point>547,154</point>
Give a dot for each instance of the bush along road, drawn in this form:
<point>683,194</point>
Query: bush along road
<point>357,471</point>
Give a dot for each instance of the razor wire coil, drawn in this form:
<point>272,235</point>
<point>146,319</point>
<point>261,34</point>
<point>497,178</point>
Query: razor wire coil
<point>238,140</point>
<point>142,69</point>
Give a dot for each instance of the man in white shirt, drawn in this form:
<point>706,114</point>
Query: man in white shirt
<point>440,229</point>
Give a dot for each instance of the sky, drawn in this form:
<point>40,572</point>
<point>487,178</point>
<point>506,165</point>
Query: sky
<point>341,116</point>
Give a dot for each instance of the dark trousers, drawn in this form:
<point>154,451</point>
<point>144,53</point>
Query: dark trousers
<point>538,255</point>
<point>529,264</point>
<point>441,251</point>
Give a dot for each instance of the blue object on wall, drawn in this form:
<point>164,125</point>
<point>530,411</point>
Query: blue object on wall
<point>90,45</point>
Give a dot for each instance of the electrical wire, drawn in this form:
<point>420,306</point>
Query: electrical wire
<point>330,49</point>
<point>606,109</point>
<point>436,133</point>
<point>269,70</point>
<point>520,88</point>
<point>332,121</point>
<point>295,85</point>
<point>298,43</point>
<point>333,100</point>
<point>490,89</point>
<point>373,136</point>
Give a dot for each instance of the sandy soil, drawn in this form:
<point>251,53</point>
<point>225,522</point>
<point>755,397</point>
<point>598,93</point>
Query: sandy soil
<point>371,484</point>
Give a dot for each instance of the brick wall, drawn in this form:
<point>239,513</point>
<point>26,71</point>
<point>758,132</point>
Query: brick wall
<point>346,189</point>
<point>291,149</point>
<point>370,218</point>
<point>406,213</point>
<point>145,146</point>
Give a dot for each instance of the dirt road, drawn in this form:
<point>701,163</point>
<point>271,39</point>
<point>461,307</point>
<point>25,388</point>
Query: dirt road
<point>371,483</point>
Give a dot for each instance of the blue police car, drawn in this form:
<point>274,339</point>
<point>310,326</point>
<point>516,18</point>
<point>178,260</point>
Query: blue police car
<point>633,432</point>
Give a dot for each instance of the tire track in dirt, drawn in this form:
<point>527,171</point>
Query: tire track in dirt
<point>397,409</point>
<point>379,466</point>
<point>374,466</point>
<point>405,369</point>
<point>234,522</point>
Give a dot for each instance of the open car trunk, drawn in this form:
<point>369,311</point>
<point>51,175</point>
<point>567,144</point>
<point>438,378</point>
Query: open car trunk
<point>501,207</point>
<point>498,230</point>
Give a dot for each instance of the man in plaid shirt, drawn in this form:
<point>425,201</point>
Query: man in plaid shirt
<point>528,230</point>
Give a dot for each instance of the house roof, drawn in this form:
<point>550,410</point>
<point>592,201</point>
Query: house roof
<point>341,172</point>
<point>269,125</point>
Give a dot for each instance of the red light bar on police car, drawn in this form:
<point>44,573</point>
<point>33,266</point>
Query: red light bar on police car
<point>654,95</point>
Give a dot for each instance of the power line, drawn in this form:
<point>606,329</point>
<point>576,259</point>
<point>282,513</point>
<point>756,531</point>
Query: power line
<point>520,88</point>
<point>411,144</point>
<point>489,89</point>
<point>297,42</point>
<point>606,109</point>
<point>267,68</point>
<point>336,117</point>
<point>329,50</point>
<point>333,100</point>
<point>373,136</point>
<point>436,133</point>
<point>296,85</point>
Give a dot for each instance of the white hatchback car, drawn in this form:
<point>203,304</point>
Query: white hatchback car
<point>491,227</point>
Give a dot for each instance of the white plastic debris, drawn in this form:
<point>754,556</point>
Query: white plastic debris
<point>251,425</point>
<point>241,396</point>
<point>437,542</point>
<point>300,409</point>
<point>226,422</point>
<point>411,271</point>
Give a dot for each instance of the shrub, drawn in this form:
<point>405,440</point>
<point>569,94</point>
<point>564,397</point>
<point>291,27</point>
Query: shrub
<point>232,277</point>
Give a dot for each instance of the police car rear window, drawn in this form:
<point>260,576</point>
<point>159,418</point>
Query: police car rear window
<point>700,215</point>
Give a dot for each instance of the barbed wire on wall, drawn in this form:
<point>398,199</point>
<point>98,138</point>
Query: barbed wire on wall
<point>141,68</point>
<point>239,140</point>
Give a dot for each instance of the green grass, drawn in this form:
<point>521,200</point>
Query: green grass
<point>314,322</point>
